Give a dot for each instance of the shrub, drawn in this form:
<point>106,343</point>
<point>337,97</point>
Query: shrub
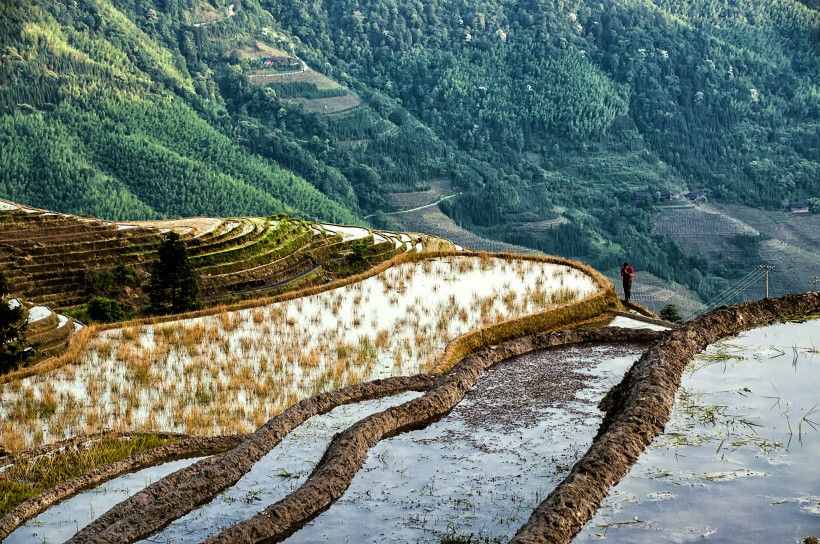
<point>106,310</point>
<point>670,313</point>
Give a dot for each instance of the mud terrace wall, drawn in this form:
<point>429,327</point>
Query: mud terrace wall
<point>186,447</point>
<point>181,492</point>
<point>637,410</point>
<point>348,450</point>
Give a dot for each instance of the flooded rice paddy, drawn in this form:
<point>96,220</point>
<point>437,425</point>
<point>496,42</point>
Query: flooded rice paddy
<point>231,372</point>
<point>61,522</point>
<point>481,469</point>
<point>740,458</point>
<point>280,472</point>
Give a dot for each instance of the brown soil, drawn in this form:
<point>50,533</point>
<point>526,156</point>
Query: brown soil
<point>192,226</point>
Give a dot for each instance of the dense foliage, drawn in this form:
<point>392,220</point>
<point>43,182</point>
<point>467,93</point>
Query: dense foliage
<point>532,108</point>
<point>173,287</point>
<point>575,104</point>
<point>105,310</point>
<point>14,350</point>
<point>101,116</point>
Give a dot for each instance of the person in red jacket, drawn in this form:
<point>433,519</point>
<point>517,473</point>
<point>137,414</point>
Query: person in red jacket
<point>627,273</point>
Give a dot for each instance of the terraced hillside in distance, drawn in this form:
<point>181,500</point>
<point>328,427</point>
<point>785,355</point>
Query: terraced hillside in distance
<point>744,238</point>
<point>48,331</point>
<point>61,261</point>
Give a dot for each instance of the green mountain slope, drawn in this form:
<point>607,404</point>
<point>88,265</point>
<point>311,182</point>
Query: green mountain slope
<point>537,111</point>
<point>579,104</point>
<point>100,118</point>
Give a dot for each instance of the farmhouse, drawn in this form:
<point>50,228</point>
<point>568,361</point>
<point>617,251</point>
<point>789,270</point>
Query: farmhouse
<point>798,207</point>
<point>278,62</point>
<point>667,195</point>
<point>696,195</point>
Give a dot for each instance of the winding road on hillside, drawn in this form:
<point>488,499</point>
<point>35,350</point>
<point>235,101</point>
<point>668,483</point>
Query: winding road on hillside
<point>436,203</point>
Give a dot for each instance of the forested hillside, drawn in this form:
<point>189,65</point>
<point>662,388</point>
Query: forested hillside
<point>102,117</point>
<point>536,110</point>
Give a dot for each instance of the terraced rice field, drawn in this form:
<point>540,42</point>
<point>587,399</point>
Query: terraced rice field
<point>61,261</point>
<point>500,450</point>
<point>232,371</point>
<point>479,472</point>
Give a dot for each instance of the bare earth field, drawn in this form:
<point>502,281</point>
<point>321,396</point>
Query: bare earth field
<point>790,242</point>
<point>308,75</point>
<point>328,106</point>
<point>438,189</point>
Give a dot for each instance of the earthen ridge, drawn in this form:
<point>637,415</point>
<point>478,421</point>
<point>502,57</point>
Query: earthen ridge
<point>637,411</point>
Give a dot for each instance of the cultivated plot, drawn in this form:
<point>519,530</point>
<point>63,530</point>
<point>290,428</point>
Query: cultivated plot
<point>476,475</point>
<point>232,371</point>
<point>738,461</point>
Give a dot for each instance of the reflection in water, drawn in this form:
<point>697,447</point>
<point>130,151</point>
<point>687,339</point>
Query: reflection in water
<point>281,471</point>
<point>739,459</point>
<point>481,469</point>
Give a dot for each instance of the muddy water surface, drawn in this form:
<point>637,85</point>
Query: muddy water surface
<point>740,458</point>
<point>482,469</point>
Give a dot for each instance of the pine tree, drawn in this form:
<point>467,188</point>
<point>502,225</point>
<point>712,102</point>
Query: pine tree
<point>173,286</point>
<point>13,323</point>
<point>670,313</point>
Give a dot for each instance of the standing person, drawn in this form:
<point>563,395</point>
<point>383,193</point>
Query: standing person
<point>627,273</point>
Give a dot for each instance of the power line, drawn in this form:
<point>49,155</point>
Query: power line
<point>766,268</point>
<point>733,291</point>
<point>726,295</point>
<point>738,288</point>
<point>742,280</point>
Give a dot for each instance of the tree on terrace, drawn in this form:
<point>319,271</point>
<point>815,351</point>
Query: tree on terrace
<point>670,313</point>
<point>173,286</point>
<point>13,323</point>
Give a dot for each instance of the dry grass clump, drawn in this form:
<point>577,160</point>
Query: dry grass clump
<point>30,477</point>
<point>229,371</point>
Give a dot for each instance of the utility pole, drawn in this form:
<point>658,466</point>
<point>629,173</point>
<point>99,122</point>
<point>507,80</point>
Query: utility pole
<point>813,281</point>
<point>766,268</point>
